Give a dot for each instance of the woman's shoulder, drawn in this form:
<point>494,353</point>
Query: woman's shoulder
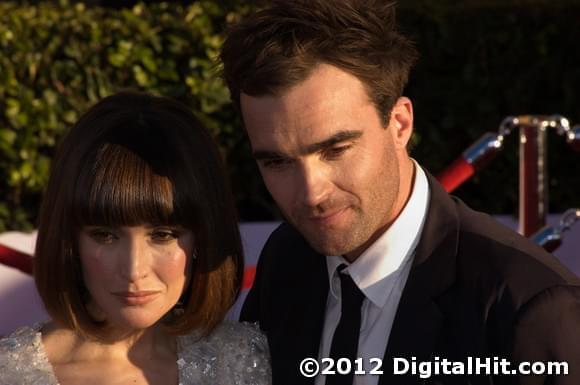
<point>22,358</point>
<point>20,345</point>
<point>228,337</point>
<point>234,353</point>
<point>239,334</point>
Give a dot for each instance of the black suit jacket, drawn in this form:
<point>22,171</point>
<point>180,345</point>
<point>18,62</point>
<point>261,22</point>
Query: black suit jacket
<point>475,289</point>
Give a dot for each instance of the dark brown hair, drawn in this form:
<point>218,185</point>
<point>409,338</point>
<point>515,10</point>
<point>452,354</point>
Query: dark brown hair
<point>133,159</point>
<point>279,46</point>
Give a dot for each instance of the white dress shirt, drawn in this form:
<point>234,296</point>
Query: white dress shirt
<point>380,272</point>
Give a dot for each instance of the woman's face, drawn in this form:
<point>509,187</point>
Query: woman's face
<point>135,274</point>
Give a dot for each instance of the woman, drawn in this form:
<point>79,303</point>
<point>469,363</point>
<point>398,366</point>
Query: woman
<point>138,258</point>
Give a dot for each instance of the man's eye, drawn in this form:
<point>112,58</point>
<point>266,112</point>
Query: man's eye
<point>103,236</point>
<point>335,152</point>
<point>275,163</point>
<point>164,235</point>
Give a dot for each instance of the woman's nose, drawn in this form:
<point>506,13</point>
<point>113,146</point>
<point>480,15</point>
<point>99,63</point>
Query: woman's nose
<point>135,265</point>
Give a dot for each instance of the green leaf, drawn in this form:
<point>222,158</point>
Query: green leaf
<point>12,108</point>
<point>7,136</point>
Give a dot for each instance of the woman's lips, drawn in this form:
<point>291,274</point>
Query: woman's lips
<point>133,298</point>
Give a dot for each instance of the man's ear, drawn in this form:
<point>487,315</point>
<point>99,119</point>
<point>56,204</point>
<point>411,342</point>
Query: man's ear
<point>401,122</point>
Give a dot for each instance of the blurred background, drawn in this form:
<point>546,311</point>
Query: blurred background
<point>481,60</point>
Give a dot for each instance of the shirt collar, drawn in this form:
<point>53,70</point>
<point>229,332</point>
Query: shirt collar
<point>376,268</point>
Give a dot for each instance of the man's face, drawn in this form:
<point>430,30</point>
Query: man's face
<point>329,162</point>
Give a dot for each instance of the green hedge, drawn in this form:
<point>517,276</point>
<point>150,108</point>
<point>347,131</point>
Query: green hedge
<point>479,64</point>
<point>59,59</point>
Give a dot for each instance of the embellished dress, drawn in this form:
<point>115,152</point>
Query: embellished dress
<point>233,354</point>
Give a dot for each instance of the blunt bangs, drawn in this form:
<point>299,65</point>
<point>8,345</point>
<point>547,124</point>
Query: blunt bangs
<point>122,189</point>
<point>136,172</point>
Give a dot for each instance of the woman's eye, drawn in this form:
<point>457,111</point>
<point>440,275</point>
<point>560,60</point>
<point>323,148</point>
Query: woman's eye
<point>164,235</point>
<point>103,236</point>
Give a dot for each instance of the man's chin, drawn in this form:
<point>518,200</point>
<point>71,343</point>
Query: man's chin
<point>327,240</point>
<point>329,247</point>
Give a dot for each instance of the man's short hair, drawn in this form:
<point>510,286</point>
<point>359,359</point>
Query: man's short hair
<point>279,46</point>
<point>133,159</point>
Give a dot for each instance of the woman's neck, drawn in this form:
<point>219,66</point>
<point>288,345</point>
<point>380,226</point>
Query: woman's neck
<point>66,345</point>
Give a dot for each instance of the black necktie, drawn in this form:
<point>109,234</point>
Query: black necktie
<point>345,339</point>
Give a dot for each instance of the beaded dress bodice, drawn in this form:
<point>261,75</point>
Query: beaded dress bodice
<point>233,354</point>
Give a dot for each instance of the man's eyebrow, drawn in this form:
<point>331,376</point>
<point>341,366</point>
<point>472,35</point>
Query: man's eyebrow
<point>339,137</point>
<point>261,155</point>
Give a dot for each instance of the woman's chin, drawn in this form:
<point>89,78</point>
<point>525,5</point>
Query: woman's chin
<point>134,320</point>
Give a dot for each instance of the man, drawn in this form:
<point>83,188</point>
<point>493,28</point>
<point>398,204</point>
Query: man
<point>376,266</point>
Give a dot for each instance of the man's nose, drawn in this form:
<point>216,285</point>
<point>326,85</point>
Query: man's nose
<point>314,183</point>
<point>134,260</point>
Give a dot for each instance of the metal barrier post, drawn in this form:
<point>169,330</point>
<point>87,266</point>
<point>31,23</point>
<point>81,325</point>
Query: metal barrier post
<point>533,180</point>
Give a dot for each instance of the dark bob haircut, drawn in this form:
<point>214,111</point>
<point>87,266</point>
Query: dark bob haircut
<point>133,159</point>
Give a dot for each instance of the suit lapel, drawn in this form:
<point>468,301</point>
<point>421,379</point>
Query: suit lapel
<point>418,320</point>
<point>312,306</point>
<point>301,332</point>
